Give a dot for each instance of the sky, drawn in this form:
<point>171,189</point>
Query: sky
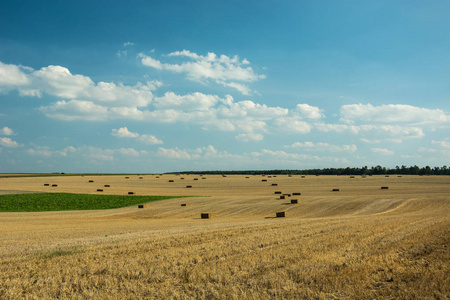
<point>162,86</point>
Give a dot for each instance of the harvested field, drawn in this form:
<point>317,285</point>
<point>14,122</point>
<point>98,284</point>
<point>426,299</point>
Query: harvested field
<point>362,242</point>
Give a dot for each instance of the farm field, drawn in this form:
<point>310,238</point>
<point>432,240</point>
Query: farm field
<point>359,242</point>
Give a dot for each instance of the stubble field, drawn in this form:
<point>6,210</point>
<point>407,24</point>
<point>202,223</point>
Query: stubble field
<point>359,242</point>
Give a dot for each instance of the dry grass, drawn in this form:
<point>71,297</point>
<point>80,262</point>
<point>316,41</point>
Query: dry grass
<point>360,243</point>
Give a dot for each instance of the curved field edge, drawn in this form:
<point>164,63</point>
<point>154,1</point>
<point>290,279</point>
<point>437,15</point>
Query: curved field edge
<point>40,202</point>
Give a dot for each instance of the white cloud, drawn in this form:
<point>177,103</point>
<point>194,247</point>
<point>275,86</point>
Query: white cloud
<point>150,139</point>
<point>247,137</point>
<point>374,132</point>
<point>173,153</point>
<point>12,76</point>
<point>60,82</point>
<point>75,110</point>
<point>123,132</point>
<point>442,144</point>
<point>224,70</point>
<point>309,112</point>
<point>7,142</point>
<point>190,102</point>
<point>392,114</point>
<point>6,131</point>
<point>292,124</point>
<point>321,146</point>
<point>382,151</point>
<point>127,44</point>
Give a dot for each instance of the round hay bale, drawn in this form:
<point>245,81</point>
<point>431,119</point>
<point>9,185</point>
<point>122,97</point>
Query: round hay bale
<point>264,180</point>
<point>142,205</point>
<point>384,187</point>
<point>106,185</point>
<point>46,184</point>
<point>54,185</point>
<point>130,193</point>
<point>99,190</point>
<point>294,201</point>
<point>277,192</point>
<point>282,197</point>
<point>296,194</point>
<point>189,186</point>
<point>171,181</point>
<point>335,190</point>
<point>274,184</point>
<point>91,180</point>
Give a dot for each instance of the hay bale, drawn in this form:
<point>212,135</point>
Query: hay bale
<point>54,185</point>
<point>277,192</point>
<point>363,176</point>
<point>294,201</point>
<point>335,190</point>
<point>207,215</point>
<point>141,177</point>
<point>130,193</point>
<point>203,177</point>
<point>142,205</point>
<point>281,214</point>
<point>264,180</point>
<point>46,184</point>
<point>189,186</point>
<point>282,197</point>
<point>170,180</point>
<point>99,190</point>
<point>384,187</point>
<point>195,178</point>
<point>274,184</point>
<point>289,175</point>
<point>296,194</point>
<point>269,176</point>
<point>185,204</point>
<point>352,176</point>
<point>91,180</point>
<point>127,177</point>
<point>386,175</point>
<point>303,176</point>
<point>182,178</point>
<point>247,177</point>
<point>106,185</point>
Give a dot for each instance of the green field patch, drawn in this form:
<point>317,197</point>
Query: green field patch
<point>65,201</point>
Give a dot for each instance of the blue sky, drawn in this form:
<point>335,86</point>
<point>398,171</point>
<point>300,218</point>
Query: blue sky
<point>159,86</point>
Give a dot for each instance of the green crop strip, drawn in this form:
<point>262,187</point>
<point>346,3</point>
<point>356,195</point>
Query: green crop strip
<point>66,201</point>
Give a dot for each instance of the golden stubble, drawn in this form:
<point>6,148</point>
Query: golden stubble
<point>360,242</point>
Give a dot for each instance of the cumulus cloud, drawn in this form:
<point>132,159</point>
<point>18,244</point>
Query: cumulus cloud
<point>382,151</point>
<point>374,133</point>
<point>7,142</point>
<point>123,132</point>
<point>246,137</point>
<point>190,102</point>
<point>12,76</point>
<point>60,82</point>
<point>150,139</point>
<point>6,131</point>
<point>392,114</point>
<point>224,70</point>
<point>309,112</point>
<point>321,146</point>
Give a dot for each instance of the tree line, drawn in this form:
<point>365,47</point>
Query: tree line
<point>377,170</point>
